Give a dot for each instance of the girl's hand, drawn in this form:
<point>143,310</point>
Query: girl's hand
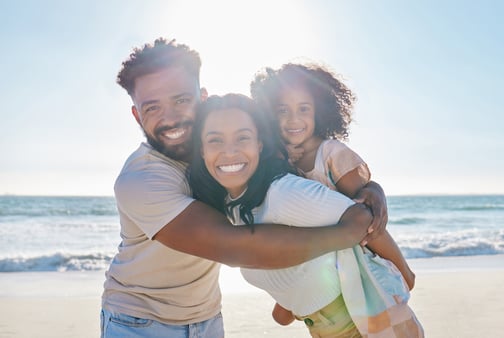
<point>281,315</point>
<point>294,152</point>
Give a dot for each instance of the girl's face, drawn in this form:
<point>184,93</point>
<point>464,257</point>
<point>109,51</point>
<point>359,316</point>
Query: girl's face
<point>295,111</point>
<point>230,148</point>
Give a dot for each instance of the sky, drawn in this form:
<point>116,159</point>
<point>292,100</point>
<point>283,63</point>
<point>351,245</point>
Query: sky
<point>428,76</point>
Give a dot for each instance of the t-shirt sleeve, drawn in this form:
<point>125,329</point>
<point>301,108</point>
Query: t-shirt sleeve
<point>340,160</point>
<point>301,202</point>
<point>152,197</point>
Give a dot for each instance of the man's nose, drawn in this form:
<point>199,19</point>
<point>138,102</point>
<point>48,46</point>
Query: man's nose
<point>170,116</point>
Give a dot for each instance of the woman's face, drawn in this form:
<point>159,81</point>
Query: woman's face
<point>295,111</point>
<point>230,148</point>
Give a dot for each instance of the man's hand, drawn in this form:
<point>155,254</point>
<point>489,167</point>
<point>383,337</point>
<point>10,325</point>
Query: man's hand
<point>373,196</point>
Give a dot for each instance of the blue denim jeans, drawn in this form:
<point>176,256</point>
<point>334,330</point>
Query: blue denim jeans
<point>118,325</point>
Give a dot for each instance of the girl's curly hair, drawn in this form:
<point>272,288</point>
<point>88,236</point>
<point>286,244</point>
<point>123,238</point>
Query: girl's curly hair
<point>333,99</point>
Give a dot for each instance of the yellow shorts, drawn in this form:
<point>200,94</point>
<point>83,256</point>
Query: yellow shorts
<point>332,321</point>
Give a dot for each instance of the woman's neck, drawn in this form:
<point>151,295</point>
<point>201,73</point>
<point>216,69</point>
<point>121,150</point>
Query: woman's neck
<point>235,194</point>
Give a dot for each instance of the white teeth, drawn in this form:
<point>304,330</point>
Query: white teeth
<point>295,130</point>
<point>232,168</point>
<point>174,134</point>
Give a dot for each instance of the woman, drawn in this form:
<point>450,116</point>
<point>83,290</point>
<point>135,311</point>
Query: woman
<point>238,170</point>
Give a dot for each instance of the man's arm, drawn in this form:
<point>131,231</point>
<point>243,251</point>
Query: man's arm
<point>373,196</point>
<point>202,231</point>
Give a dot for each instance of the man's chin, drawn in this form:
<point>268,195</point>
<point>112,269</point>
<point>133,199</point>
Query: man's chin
<point>179,152</point>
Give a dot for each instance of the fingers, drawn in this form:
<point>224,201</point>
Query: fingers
<point>359,200</point>
<point>295,153</point>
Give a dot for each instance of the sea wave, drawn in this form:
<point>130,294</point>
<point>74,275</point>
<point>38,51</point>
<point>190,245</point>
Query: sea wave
<point>37,206</point>
<point>406,220</point>
<point>461,243</point>
<point>56,262</point>
<point>497,207</point>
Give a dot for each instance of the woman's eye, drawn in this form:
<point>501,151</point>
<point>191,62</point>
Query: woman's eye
<point>243,138</point>
<point>214,140</point>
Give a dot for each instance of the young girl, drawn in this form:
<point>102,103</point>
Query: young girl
<point>312,108</point>
<point>237,170</point>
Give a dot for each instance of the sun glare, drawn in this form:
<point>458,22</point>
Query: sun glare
<point>235,39</point>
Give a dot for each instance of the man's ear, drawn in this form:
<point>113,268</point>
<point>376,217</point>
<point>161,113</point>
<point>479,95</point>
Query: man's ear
<point>134,111</point>
<point>203,94</point>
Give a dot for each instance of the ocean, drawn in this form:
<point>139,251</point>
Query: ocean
<point>82,233</point>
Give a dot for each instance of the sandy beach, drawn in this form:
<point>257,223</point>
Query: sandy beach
<point>454,297</point>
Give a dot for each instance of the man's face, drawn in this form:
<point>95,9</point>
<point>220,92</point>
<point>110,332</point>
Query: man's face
<point>164,108</point>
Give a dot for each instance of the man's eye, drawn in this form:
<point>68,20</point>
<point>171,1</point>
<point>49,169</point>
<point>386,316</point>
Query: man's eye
<point>183,100</point>
<point>152,109</point>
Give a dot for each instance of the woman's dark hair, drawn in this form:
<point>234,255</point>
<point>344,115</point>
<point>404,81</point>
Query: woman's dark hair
<point>272,160</point>
<point>333,99</point>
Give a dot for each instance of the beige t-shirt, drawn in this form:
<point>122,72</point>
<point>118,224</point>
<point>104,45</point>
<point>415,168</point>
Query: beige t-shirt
<point>334,159</point>
<point>147,279</point>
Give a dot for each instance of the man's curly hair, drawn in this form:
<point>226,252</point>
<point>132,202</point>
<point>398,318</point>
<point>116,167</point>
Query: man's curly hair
<point>154,57</point>
<point>333,99</point>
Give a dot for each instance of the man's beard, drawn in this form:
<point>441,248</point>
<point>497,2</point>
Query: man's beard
<point>179,152</point>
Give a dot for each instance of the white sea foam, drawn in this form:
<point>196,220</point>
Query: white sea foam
<point>82,233</point>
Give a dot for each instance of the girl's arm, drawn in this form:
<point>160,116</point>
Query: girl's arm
<point>384,245</point>
<point>281,315</point>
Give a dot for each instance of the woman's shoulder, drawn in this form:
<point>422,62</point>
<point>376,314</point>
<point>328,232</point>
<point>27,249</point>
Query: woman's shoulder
<point>291,183</point>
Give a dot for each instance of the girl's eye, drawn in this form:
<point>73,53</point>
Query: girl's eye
<point>281,111</point>
<point>305,109</point>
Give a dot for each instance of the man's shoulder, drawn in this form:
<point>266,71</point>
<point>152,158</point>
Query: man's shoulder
<point>147,168</point>
<point>145,160</point>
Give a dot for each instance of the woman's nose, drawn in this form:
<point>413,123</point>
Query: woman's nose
<point>230,148</point>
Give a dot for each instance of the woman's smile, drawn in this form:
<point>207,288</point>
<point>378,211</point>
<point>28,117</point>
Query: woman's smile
<point>232,168</point>
<point>230,148</point>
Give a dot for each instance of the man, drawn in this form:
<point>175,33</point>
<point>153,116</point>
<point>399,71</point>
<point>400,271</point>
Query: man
<point>163,282</point>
